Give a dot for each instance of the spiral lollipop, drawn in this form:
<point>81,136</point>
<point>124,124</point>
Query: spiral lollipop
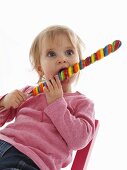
<point>68,72</point>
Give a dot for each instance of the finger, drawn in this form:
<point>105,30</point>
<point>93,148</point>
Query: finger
<point>58,81</point>
<point>22,95</point>
<point>54,83</point>
<point>49,85</point>
<point>15,105</point>
<point>18,98</point>
<point>45,89</point>
<point>17,101</point>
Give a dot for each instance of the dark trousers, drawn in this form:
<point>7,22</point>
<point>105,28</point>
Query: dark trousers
<point>12,159</point>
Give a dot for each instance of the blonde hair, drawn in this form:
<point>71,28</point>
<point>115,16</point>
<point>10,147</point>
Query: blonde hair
<point>49,34</point>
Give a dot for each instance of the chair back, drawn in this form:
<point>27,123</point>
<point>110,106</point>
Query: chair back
<point>82,156</point>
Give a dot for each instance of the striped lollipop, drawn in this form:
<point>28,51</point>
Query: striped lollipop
<point>68,72</point>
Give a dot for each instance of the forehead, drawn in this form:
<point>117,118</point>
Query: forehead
<point>57,40</point>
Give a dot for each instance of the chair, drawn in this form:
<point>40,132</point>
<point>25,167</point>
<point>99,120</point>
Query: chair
<point>81,158</point>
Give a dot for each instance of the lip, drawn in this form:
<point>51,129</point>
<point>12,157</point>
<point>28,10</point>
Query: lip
<point>60,70</point>
<point>63,73</point>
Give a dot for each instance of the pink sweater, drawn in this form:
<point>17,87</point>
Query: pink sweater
<point>49,133</point>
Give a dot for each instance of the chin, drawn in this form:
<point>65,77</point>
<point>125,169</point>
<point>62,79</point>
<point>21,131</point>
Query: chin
<point>66,81</point>
<point>66,84</point>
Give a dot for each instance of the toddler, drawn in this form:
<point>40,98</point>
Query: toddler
<point>48,127</point>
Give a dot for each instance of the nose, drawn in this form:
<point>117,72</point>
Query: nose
<point>62,60</point>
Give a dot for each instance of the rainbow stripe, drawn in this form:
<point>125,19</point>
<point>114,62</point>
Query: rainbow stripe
<point>68,72</point>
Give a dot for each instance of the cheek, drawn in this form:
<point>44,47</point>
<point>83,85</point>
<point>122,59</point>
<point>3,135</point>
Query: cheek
<point>49,71</point>
<point>75,60</point>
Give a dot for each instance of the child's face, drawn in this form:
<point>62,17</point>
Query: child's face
<point>56,55</point>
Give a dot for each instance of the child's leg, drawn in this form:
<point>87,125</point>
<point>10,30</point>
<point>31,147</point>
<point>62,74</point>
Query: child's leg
<point>11,158</point>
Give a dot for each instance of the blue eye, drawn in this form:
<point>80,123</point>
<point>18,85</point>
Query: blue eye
<point>69,52</point>
<point>51,54</point>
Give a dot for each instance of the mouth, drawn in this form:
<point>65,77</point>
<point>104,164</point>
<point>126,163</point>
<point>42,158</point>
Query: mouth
<point>63,73</point>
<point>62,69</point>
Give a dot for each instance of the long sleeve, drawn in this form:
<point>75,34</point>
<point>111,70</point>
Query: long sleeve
<point>1,97</point>
<point>48,134</point>
<point>7,115</point>
<point>76,129</point>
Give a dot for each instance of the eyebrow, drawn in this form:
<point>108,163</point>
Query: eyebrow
<point>70,47</point>
<point>50,49</point>
<point>53,49</point>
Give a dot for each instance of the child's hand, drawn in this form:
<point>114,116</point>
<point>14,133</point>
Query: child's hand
<point>13,99</point>
<point>53,90</point>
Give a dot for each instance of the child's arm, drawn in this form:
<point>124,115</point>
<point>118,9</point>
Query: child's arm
<point>8,105</point>
<point>13,99</point>
<point>1,103</point>
<point>77,130</point>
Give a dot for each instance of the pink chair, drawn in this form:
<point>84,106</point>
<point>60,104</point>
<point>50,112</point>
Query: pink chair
<point>81,158</point>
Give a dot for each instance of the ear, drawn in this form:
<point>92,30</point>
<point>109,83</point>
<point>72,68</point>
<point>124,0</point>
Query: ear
<point>40,70</point>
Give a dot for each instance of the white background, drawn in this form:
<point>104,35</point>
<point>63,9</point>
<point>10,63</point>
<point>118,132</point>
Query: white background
<point>98,23</point>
